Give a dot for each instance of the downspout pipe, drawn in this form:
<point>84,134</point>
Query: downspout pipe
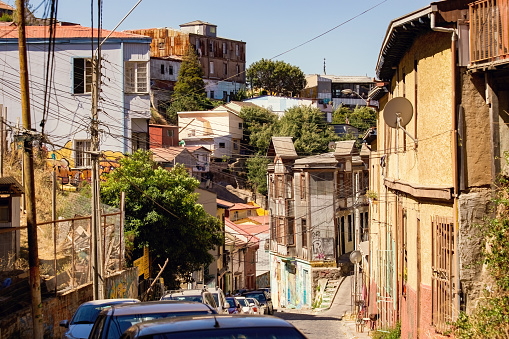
<point>454,129</point>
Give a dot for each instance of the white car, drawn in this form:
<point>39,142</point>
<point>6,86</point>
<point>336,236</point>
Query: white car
<point>220,299</point>
<point>255,306</point>
<point>246,308</point>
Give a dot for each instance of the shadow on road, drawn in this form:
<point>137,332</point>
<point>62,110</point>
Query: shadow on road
<point>304,316</point>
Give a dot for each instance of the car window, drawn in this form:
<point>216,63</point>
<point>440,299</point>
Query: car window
<point>243,302</point>
<point>215,296</point>
<point>119,324</point>
<point>197,298</point>
<point>87,314</point>
<point>258,296</point>
<point>234,333</point>
<point>98,327</point>
<point>210,300</point>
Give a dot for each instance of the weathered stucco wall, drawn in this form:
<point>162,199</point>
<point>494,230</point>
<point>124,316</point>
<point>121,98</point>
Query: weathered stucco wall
<point>473,208</point>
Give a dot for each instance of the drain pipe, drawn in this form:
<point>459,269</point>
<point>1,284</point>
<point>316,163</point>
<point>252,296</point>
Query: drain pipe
<point>454,136</point>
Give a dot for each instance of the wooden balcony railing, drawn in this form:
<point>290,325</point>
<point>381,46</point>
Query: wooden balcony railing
<point>489,31</point>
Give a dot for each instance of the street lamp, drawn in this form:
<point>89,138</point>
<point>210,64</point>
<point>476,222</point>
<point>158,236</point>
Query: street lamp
<point>348,91</point>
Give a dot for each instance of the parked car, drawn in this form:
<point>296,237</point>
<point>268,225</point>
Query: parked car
<point>220,299</point>
<point>244,304</point>
<point>263,298</point>
<point>83,319</point>
<point>215,327</point>
<point>255,305</point>
<point>235,307</point>
<point>201,296</point>
<point>113,321</point>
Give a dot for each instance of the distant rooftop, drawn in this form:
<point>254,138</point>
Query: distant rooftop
<point>197,22</point>
<point>347,79</point>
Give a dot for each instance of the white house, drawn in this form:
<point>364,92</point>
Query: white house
<point>124,107</point>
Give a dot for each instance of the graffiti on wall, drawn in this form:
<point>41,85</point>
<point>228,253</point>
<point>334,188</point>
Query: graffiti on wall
<point>125,285</point>
<point>263,280</point>
<point>68,174</point>
<point>317,246</point>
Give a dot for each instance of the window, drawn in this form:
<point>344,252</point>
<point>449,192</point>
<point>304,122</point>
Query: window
<point>279,186</point>
<point>82,75</point>
<point>349,227</point>
<point>191,133</point>
<point>248,213</point>
<point>235,144</point>
<point>341,184</point>
<point>238,69</point>
<point>212,94</point>
<point>443,270</point>
<point>237,50</point>
<point>136,77</point>
<point>304,226</point>
<point>5,210</point>
<point>280,230</point>
<point>240,125</point>
<point>303,192</point>
<point>211,67</point>
<point>211,47</point>
<point>82,153</point>
<point>139,141</point>
<point>225,95</point>
<point>224,48</point>
<point>170,70</point>
<point>225,68</point>
<point>235,215</point>
<point>169,132</point>
<point>290,232</point>
<point>162,69</point>
<point>348,184</point>
<point>222,145</point>
<point>161,45</point>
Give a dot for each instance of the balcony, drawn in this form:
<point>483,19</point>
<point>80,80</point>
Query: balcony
<point>489,31</point>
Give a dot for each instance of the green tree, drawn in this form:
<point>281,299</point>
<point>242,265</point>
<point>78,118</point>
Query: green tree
<point>186,103</point>
<point>362,117</point>
<point>162,213</point>
<point>276,77</point>
<point>260,125</point>
<point>311,133</point>
<point>190,78</point>
<point>257,173</point>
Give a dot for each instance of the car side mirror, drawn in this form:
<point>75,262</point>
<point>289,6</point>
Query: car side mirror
<point>64,323</point>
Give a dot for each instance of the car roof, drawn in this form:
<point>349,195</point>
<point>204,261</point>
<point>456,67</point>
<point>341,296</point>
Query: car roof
<point>187,292</point>
<point>206,322</point>
<point>102,302</point>
<point>156,307</point>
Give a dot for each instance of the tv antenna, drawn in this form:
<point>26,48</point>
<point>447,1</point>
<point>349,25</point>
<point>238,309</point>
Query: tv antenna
<point>397,113</point>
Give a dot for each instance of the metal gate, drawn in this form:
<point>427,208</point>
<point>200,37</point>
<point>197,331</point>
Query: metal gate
<point>385,290</point>
<point>443,273</point>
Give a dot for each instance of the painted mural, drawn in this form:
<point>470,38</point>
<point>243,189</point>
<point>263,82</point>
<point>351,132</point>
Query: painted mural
<point>125,285</point>
<point>68,176</point>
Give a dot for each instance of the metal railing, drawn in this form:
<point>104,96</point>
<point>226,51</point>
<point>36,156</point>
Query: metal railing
<point>489,31</point>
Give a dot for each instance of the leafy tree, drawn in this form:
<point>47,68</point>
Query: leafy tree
<point>361,117</point>
<point>190,78</point>
<point>162,213</point>
<point>185,104</point>
<point>260,125</point>
<point>308,128</point>
<point>257,173</point>
<point>276,77</point>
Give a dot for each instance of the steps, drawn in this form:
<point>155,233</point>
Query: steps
<point>326,296</point>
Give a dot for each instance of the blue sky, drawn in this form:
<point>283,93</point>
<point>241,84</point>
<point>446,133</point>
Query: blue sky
<point>269,27</point>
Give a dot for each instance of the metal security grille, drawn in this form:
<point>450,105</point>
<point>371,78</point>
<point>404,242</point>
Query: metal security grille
<point>443,270</point>
<point>385,290</point>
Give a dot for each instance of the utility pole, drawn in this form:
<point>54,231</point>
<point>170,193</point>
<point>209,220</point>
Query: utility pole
<point>28,170</point>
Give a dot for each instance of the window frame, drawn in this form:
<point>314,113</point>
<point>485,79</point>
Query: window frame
<point>87,74</point>
<point>134,85</point>
<point>82,156</point>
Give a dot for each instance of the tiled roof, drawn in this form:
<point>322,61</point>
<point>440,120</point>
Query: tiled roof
<point>72,31</point>
<point>3,5</point>
<point>238,230</point>
<point>239,206</point>
<point>194,148</point>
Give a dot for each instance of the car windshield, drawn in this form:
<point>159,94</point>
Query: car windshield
<point>258,296</point>
<point>243,302</point>
<point>119,324</point>
<point>87,314</point>
<point>231,301</point>
<point>251,300</point>
<point>235,333</point>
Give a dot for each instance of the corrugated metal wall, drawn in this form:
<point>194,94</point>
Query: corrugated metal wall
<point>136,52</point>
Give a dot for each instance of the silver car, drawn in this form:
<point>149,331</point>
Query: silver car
<point>83,319</point>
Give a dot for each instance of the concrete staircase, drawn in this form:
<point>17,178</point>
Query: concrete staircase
<point>328,294</point>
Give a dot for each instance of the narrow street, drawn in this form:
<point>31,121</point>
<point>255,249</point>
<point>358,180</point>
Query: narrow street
<point>329,323</point>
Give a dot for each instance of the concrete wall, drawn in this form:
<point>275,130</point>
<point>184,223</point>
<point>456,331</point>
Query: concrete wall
<point>19,325</point>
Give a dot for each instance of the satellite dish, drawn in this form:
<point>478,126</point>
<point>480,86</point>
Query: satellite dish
<point>398,108</point>
<point>397,113</point>
<point>355,257</point>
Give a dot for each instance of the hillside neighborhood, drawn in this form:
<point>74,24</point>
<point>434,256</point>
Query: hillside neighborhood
<point>149,164</point>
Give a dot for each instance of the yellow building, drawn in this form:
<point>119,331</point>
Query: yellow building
<point>429,187</point>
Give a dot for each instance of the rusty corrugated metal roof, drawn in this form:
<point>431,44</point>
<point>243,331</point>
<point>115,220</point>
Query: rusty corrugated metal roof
<point>16,187</point>
<point>346,147</point>
<point>283,147</point>
<point>72,31</point>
